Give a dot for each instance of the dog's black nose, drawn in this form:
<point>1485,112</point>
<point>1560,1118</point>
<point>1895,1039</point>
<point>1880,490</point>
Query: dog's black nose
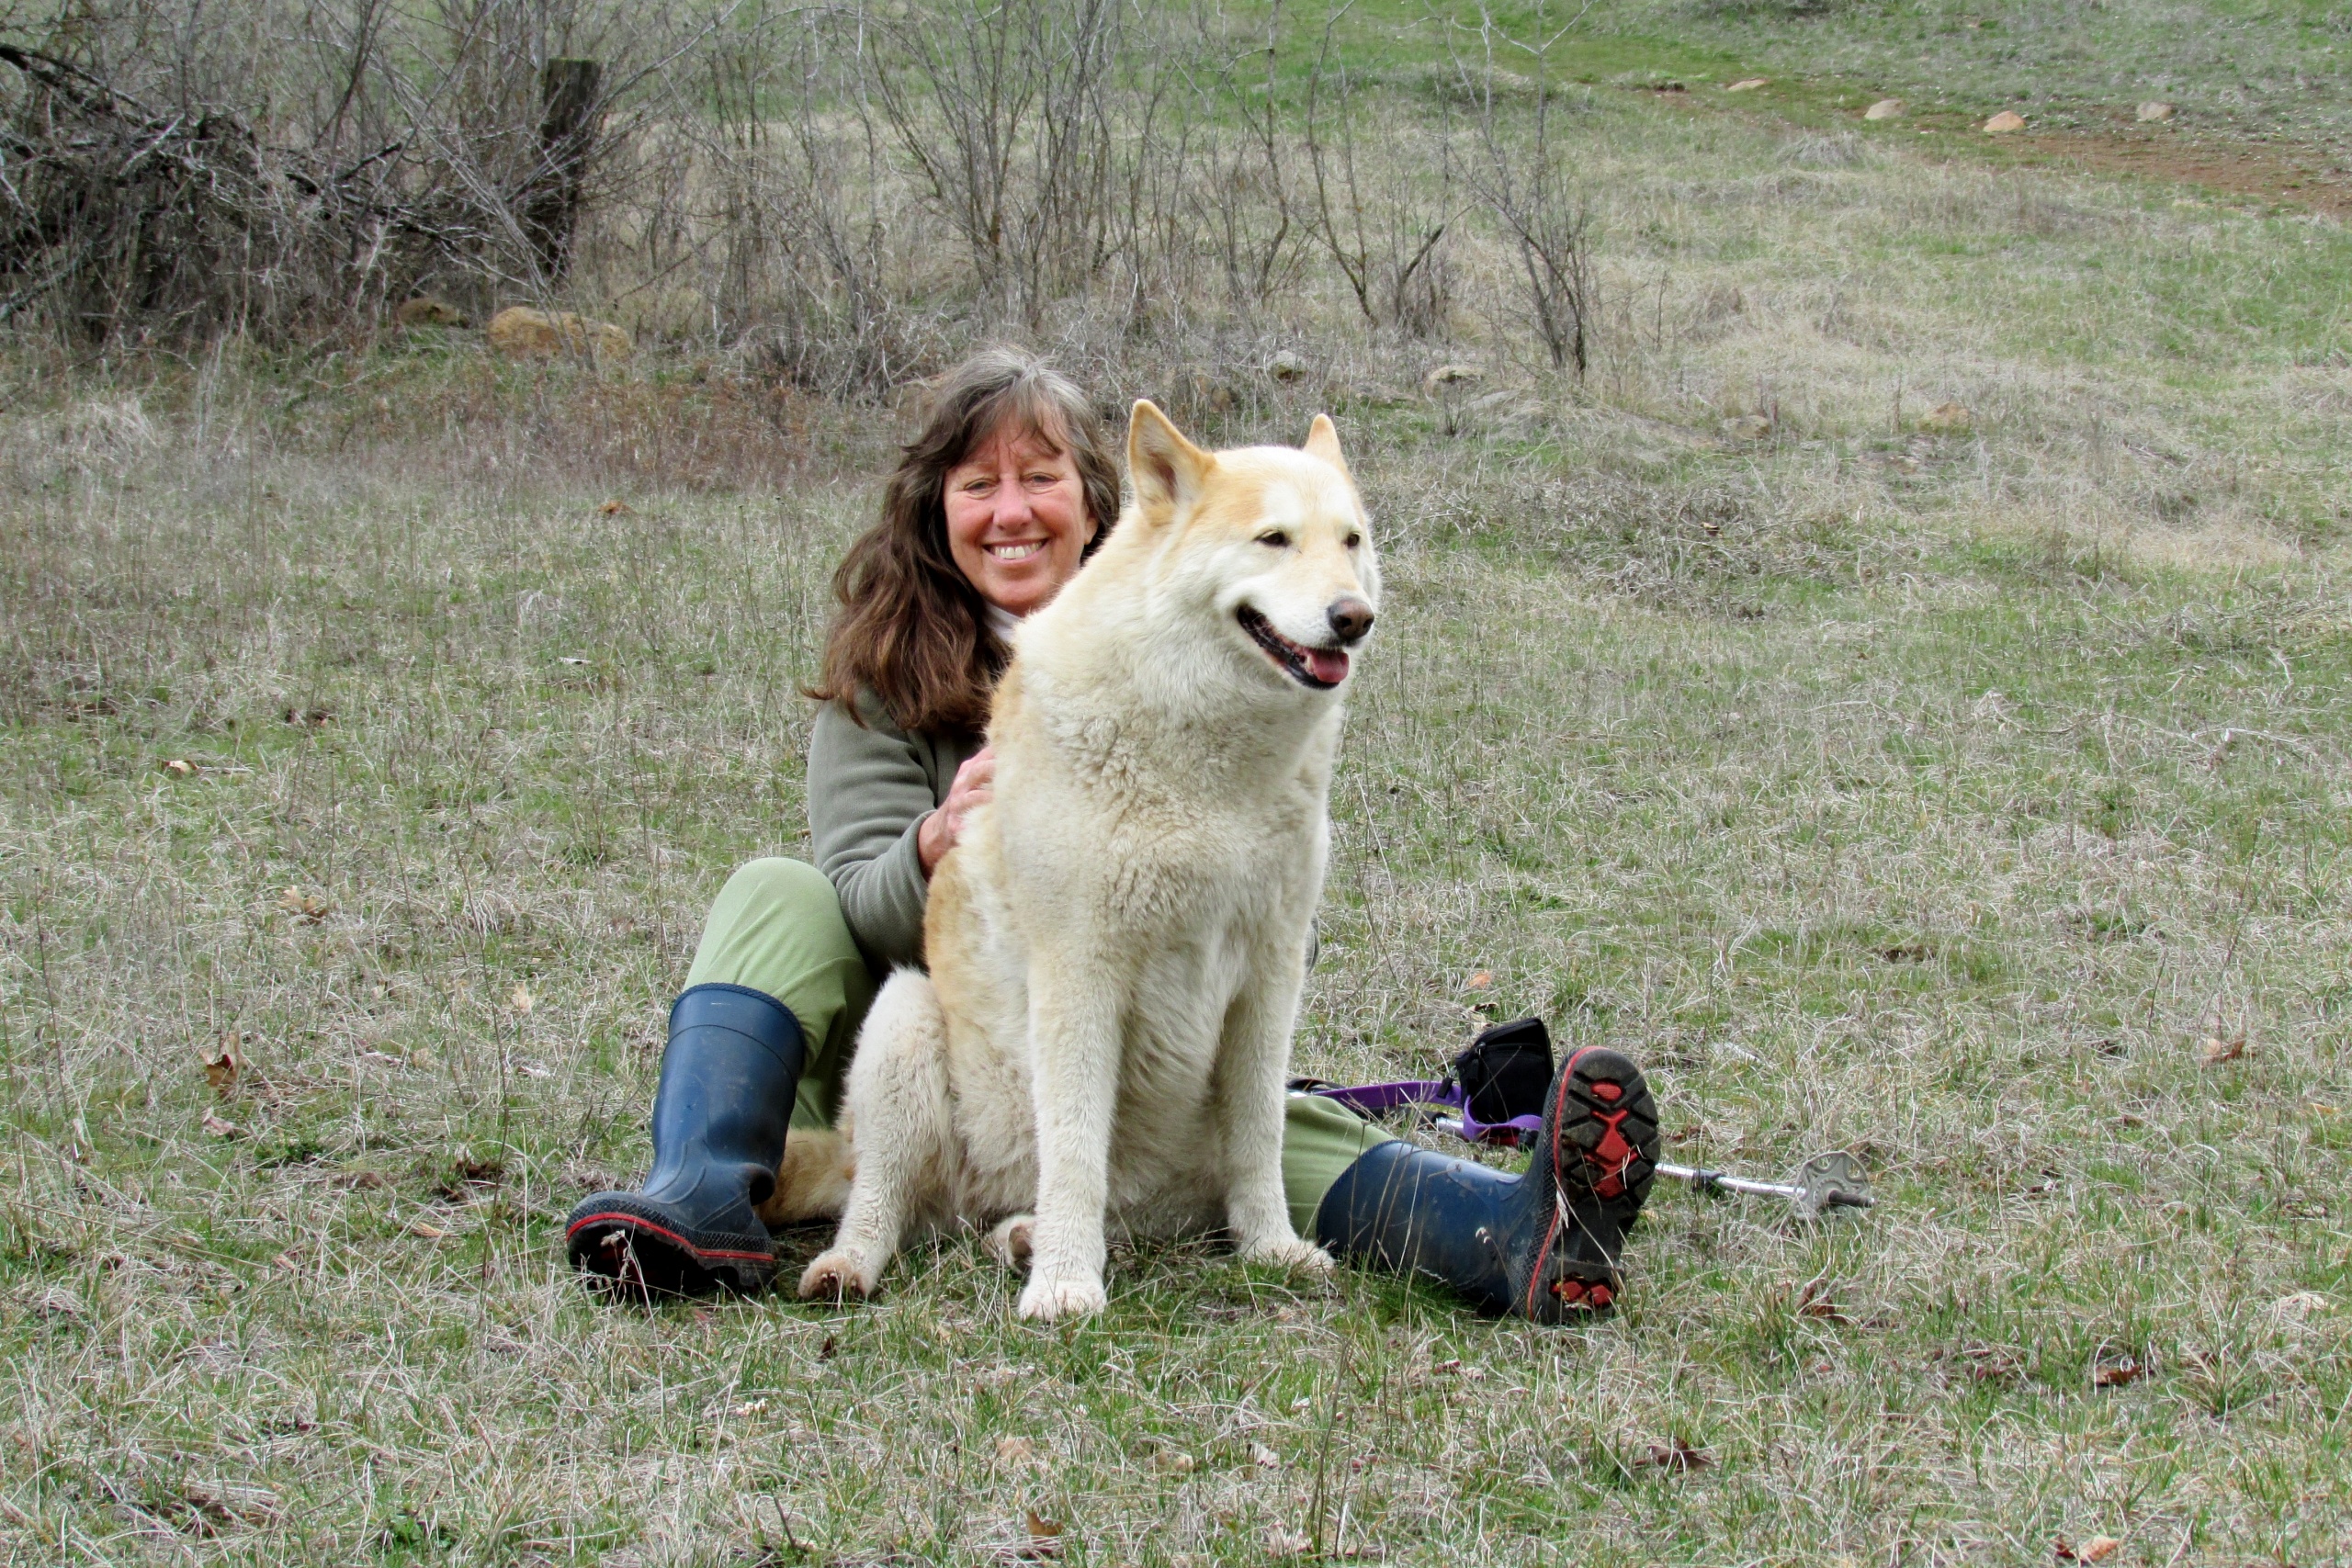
<point>1350,617</point>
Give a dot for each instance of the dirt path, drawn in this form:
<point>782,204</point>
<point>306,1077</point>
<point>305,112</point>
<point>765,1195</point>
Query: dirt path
<point>2283,173</point>
<point>2286,173</point>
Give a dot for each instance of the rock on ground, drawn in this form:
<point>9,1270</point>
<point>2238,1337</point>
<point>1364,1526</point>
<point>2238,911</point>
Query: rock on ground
<point>521,333</point>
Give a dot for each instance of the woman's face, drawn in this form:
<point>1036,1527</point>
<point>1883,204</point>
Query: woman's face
<point>1016,521</point>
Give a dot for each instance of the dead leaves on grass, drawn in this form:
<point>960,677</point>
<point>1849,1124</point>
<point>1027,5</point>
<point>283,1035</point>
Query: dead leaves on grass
<point>223,1062</point>
<point>307,907</point>
<point>229,1074</point>
<point>2217,1050</point>
<point>1045,1542</point>
<point>1997,1364</point>
<point>1814,1300</point>
<point>1676,1456</point>
<point>467,1177</point>
<point>205,1512</point>
<point>2099,1548</point>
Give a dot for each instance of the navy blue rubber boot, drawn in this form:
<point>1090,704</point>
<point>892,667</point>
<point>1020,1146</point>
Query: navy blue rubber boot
<point>1544,1245</point>
<point>728,1077</point>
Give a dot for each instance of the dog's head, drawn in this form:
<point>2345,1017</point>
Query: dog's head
<point>1274,540</point>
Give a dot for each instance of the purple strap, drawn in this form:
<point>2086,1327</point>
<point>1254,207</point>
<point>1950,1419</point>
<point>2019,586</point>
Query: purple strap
<point>1370,1099</point>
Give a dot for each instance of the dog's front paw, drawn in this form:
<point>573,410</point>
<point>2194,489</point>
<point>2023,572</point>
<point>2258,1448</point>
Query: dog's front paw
<point>1289,1252</point>
<point>1049,1300</point>
<point>1010,1241</point>
<point>843,1273</point>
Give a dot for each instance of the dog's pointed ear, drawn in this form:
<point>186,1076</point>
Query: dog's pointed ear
<point>1166,469</point>
<point>1323,440</point>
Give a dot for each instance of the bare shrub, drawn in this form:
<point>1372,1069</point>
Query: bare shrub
<point>290,171</point>
<point>806,226</point>
<point>843,194</point>
<point>120,209</point>
<point>1523,181</point>
<point>1387,237</point>
<point>1247,204</point>
<point>867,191</point>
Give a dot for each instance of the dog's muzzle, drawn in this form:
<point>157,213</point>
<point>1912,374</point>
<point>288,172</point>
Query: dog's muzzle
<point>1317,669</point>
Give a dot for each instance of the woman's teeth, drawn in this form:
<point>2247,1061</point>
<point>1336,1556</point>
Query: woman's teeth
<point>1016,552</point>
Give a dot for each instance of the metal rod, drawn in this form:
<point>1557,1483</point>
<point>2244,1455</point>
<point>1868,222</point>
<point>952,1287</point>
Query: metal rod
<point>1716,1179</point>
<point>1827,1181</point>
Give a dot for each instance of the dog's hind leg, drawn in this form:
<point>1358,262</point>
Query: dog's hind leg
<point>899,1116</point>
<point>1012,1240</point>
<point>812,1182</point>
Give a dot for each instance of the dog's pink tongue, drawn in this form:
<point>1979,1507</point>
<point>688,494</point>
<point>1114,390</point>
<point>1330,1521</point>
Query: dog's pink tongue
<point>1329,664</point>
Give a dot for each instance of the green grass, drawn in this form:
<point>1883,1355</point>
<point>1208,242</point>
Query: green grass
<point>1936,793</point>
<point>2272,70</point>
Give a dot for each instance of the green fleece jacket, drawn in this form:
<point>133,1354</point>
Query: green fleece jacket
<point>870,786</point>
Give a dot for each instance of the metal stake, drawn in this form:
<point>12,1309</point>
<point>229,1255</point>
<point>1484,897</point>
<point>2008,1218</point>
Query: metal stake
<point>1825,1182</point>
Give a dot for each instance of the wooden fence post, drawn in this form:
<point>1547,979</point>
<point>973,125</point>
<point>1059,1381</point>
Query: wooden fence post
<point>567,136</point>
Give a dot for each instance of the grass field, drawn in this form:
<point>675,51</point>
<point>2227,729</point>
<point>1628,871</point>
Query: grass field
<point>1966,790</point>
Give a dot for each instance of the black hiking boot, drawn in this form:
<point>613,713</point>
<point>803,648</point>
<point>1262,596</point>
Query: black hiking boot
<point>728,1077</point>
<point>1544,1245</point>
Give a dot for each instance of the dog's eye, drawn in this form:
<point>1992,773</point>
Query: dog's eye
<point>1274,540</point>
<point>1353,540</point>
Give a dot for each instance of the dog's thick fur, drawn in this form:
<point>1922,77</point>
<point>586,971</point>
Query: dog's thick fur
<point>1118,940</point>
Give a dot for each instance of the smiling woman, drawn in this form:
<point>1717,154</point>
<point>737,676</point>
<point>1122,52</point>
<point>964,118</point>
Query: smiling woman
<point>992,507</point>
<point>1011,456</point>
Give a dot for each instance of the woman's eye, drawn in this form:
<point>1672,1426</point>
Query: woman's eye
<point>1274,538</point>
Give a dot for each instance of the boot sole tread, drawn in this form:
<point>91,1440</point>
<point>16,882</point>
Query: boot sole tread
<point>1567,1281</point>
<point>658,1257</point>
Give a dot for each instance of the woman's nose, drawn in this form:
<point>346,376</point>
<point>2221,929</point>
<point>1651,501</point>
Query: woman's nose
<point>1011,506</point>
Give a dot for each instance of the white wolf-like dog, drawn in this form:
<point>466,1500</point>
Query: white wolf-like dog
<point>1118,940</point>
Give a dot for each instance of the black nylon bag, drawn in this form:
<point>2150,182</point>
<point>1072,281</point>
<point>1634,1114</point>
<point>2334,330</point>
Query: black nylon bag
<point>1506,1071</point>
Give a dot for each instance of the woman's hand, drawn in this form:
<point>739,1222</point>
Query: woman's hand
<point>975,782</point>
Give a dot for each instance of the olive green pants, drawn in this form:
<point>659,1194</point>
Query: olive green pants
<point>777,927</point>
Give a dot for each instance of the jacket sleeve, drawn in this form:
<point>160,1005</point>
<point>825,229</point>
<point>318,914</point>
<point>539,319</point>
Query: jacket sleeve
<point>869,793</point>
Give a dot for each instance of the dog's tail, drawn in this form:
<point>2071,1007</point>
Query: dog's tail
<point>813,1182</point>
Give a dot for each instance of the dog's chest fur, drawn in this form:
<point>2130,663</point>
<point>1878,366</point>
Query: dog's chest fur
<point>1186,856</point>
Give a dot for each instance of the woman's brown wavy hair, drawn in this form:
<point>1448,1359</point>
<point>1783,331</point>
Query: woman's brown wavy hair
<point>912,629</point>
